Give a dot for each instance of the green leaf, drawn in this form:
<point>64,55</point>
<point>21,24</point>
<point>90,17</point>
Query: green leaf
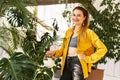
<point>13,67</point>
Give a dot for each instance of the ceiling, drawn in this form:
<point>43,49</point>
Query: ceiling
<point>50,2</point>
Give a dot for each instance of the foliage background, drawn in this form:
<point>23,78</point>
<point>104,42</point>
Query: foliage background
<point>28,64</point>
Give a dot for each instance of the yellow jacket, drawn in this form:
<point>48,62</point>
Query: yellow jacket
<point>85,46</point>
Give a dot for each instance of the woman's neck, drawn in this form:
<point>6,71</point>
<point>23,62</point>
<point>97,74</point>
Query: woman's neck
<point>77,27</point>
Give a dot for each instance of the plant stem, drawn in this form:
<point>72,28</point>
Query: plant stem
<point>12,68</point>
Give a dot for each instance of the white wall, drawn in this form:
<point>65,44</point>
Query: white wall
<point>3,54</point>
<point>112,70</point>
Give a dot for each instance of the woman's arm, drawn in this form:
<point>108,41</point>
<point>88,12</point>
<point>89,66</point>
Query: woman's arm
<point>59,52</point>
<point>101,49</point>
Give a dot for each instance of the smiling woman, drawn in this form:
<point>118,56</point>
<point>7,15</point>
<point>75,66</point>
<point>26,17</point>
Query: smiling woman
<point>77,58</point>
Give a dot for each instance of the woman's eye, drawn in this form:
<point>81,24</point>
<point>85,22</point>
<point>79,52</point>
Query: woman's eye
<point>78,15</point>
<point>73,15</point>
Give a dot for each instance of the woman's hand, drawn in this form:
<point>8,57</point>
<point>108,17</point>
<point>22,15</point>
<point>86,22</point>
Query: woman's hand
<point>50,53</point>
<point>81,56</point>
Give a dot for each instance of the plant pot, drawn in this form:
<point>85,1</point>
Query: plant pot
<point>57,74</point>
<point>1,79</point>
<point>96,74</point>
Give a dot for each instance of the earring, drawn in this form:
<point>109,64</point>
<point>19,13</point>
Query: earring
<point>83,24</point>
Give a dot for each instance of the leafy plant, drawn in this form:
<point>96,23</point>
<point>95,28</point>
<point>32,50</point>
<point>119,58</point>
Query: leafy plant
<point>26,64</point>
<point>106,25</point>
<point>18,63</point>
<point>105,22</point>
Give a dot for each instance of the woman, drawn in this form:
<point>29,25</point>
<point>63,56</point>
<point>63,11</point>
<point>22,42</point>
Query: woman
<point>77,49</point>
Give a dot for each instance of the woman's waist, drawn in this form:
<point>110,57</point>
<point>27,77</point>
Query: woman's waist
<point>72,51</point>
<point>71,54</point>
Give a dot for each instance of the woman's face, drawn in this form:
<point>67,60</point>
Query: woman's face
<point>78,17</point>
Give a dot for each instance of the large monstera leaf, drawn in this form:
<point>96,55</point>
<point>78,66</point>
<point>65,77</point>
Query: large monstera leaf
<point>17,67</point>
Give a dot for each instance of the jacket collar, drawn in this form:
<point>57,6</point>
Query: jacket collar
<point>72,30</point>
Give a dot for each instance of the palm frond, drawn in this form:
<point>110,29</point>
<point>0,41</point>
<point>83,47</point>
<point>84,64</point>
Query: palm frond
<point>18,15</point>
<point>9,38</point>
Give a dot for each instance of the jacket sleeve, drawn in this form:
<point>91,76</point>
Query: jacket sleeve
<point>100,48</point>
<point>59,52</point>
